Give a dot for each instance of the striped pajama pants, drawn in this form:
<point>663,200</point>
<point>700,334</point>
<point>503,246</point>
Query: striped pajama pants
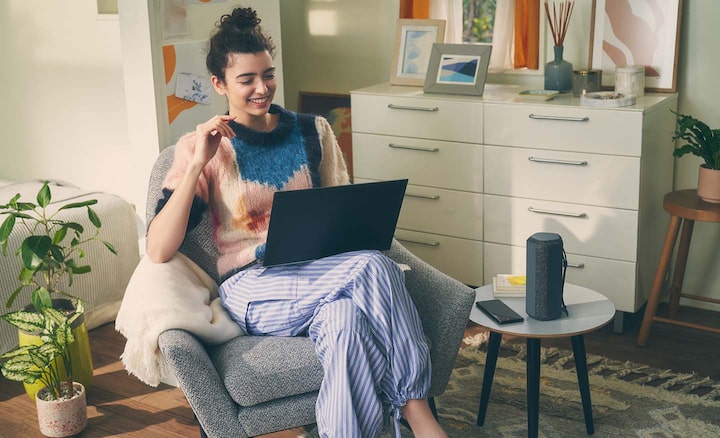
<point>366,330</point>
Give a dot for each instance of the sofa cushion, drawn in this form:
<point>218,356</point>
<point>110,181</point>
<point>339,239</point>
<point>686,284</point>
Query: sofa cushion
<point>256,369</point>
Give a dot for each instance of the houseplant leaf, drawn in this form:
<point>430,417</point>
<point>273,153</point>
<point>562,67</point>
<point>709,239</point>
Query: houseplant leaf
<point>27,321</point>
<point>33,250</point>
<point>44,196</point>
<point>5,230</point>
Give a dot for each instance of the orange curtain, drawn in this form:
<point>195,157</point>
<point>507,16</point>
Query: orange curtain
<point>415,9</point>
<point>527,34</point>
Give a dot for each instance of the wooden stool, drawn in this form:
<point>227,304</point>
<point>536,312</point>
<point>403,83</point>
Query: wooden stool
<point>685,207</point>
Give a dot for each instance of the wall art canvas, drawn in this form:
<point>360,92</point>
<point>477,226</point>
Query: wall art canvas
<point>636,32</point>
<point>189,93</point>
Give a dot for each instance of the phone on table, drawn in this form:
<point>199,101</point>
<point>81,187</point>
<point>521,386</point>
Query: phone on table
<point>499,311</point>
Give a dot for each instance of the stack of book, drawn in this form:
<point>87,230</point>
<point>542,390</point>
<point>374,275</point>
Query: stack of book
<point>509,286</point>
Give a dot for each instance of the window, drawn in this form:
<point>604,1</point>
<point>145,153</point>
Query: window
<point>478,21</point>
<point>512,26</point>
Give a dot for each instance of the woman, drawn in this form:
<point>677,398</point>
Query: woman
<point>354,306</point>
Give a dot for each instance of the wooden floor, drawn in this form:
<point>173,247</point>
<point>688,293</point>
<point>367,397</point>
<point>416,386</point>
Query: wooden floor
<point>120,405</point>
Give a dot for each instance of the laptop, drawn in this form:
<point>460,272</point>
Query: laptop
<point>314,223</point>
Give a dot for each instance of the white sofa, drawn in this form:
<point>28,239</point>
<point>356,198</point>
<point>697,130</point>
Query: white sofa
<point>103,288</point>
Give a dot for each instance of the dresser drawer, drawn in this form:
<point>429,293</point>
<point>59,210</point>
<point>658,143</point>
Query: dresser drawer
<point>581,129</point>
<point>461,259</point>
<point>452,213</point>
<point>432,163</point>
<point>439,119</point>
<point>612,278</point>
<point>604,180</point>
<point>587,230</point>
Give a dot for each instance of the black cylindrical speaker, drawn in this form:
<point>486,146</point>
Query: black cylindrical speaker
<point>544,281</point>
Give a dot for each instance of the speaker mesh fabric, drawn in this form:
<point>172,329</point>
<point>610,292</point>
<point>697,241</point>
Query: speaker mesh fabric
<point>544,283</point>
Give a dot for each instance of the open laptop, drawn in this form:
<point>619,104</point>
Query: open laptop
<point>310,224</point>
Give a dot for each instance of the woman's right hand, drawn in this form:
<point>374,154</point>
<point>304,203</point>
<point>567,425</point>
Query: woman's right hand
<point>208,137</point>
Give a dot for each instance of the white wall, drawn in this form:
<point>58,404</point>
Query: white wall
<point>361,54</point>
<point>63,107</point>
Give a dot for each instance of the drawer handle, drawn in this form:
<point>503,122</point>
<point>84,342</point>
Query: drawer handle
<point>432,109</point>
<point>563,119</point>
<point>420,242</point>
<point>549,160</point>
<point>413,195</point>
<point>413,148</point>
<point>556,213</point>
<point>576,265</point>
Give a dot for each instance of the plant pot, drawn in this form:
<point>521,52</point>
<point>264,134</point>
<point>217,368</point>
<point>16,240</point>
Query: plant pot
<point>709,184</point>
<point>62,417</point>
<point>79,350</point>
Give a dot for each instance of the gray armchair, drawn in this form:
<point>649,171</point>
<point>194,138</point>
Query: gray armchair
<point>253,385</point>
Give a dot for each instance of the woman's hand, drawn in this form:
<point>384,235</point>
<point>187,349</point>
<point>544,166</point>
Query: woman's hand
<point>208,137</point>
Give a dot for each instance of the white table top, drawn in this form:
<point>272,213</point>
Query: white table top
<point>588,310</point>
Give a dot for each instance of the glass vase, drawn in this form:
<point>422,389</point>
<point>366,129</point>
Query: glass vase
<point>558,73</point>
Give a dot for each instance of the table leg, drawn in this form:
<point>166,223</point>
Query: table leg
<point>533,385</point>
<point>680,265</point>
<point>578,344</point>
<point>490,362</point>
<point>654,299</point>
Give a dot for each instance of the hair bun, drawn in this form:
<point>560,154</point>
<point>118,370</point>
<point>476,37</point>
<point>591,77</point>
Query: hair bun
<point>240,19</point>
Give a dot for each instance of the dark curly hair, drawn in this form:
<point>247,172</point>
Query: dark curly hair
<point>237,32</point>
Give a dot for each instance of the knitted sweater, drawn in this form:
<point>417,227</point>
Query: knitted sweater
<point>239,181</point>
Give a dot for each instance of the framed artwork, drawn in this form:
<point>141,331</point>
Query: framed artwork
<point>413,44</point>
<point>336,109</point>
<point>636,32</point>
<point>458,68</point>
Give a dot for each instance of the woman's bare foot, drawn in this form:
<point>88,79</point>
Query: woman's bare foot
<point>421,420</point>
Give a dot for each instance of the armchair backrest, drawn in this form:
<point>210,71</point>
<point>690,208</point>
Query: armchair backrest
<point>198,244</point>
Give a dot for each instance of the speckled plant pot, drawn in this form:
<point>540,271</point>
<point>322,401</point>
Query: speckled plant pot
<point>709,184</point>
<point>62,418</point>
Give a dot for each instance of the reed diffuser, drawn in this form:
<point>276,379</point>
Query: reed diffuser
<point>558,73</point>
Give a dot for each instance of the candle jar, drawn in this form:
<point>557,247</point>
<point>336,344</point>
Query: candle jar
<point>630,80</point>
<point>586,81</point>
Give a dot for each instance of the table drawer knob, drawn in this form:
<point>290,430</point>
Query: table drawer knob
<point>413,148</point>
<point>556,213</point>
<point>560,118</point>
<point>420,242</point>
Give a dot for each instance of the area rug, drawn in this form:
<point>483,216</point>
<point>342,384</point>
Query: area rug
<point>628,399</point>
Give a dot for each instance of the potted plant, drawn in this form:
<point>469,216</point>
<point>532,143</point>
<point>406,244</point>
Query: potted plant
<point>61,404</point>
<point>704,142</point>
<point>49,260</point>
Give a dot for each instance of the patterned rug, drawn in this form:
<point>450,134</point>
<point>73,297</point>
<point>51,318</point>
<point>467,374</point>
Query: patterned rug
<point>629,400</point>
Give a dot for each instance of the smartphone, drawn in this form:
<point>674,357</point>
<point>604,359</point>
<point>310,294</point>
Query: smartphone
<point>499,311</point>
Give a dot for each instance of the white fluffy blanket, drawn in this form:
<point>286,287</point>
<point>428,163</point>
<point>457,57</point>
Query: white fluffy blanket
<point>162,296</point>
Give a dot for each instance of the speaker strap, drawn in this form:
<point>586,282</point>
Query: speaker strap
<point>562,287</point>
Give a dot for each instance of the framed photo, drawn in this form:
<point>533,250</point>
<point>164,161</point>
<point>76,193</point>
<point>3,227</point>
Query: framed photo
<point>413,43</point>
<point>636,32</point>
<point>458,68</point>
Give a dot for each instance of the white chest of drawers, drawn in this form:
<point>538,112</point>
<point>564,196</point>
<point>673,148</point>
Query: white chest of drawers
<point>487,172</point>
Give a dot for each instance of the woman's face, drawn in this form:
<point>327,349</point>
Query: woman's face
<point>249,85</point>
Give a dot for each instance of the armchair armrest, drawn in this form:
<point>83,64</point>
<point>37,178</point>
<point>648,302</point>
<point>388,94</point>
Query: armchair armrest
<point>216,411</point>
<point>444,306</point>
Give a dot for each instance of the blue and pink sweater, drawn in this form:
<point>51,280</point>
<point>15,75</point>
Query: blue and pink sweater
<point>239,182</point>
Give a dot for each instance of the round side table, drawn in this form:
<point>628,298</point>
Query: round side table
<point>587,311</point>
<point>685,207</point>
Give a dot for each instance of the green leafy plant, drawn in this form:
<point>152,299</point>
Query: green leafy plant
<point>702,141</point>
<point>30,363</point>
<point>50,250</point>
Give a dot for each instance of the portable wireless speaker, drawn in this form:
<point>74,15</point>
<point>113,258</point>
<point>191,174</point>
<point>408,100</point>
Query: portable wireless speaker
<point>545,276</point>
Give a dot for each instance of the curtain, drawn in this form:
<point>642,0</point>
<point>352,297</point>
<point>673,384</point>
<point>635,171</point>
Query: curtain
<point>502,51</point>
<point>415,9</point>
<point>527,34</point>
<point>451,12</point>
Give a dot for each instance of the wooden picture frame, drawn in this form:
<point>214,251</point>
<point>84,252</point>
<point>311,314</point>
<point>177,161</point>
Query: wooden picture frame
<point>636,32</point>
<point>458,69</point>
<point>413,44</point>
